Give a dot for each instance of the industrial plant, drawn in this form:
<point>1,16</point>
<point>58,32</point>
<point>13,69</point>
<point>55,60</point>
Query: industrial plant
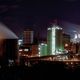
<point>8,46</point>
<point>57,46</point>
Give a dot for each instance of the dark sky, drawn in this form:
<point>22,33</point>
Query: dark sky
<point>21,14</point>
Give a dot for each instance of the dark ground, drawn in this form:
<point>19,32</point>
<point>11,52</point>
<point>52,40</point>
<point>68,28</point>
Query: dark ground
<point>40,71</point>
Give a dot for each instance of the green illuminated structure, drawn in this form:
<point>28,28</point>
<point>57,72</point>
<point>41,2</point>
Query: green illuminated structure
<point>54,40</point>
<point>42,49</point>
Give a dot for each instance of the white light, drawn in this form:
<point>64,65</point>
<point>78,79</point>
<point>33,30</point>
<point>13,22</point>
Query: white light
<point>57,28</point>
<point>76,36</point>
<point>39,48</point>
<point>42,43</point>
<point>26,49</point>
<point>58,52</point>
<point>45,44</point>
<point>20,50</point>
<point>20,42</point>
<point>11,60</point>
<point>74,31</point>
<point>53,28</point>
<point>49,28</point>
<point>66,51</point>
<point>39,52</point>
<point>39,55</point>
<point>53,41</point>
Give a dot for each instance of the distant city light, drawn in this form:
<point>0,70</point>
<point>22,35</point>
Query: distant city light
<point>20,50</point>
<point>39,48</point>
<point>53,41</point>
<point>49,28</point>
<point>54,33</point>
<point>54,27</point>
<point>76,36</point>
<point>42,43</point>
<point>26,49</point>
<point>42,49</point>
<point>66,45</point>
<point>20,41</point>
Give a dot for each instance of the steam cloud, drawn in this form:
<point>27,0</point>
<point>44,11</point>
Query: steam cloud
<point>6,33</point>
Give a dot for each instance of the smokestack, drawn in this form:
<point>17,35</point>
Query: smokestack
<point>8,45</point>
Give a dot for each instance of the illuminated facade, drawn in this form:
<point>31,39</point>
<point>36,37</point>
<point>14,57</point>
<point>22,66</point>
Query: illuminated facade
<point>28,37</point>
<point>28,50</point>
<point>66,41</point>
<point>20,42</point>
<point>54,40</point>
<point>76,37</point>
<point>42,49</point>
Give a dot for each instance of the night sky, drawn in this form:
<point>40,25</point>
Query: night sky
<point>19,15</point>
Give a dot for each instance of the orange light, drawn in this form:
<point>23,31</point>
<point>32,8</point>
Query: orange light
<point>66,45</point>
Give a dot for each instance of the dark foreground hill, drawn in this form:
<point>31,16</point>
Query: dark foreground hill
<point>42,70</point>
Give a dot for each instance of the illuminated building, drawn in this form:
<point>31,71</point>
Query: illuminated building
<point>20,42</point>
<point>34,49</point>
<point>76,38</point>
<point>54,40</point>
<point>29,50</point>
<point>42,49</point>
<point>28,37</point>
<point>75,47</point>
<point>66,41</point>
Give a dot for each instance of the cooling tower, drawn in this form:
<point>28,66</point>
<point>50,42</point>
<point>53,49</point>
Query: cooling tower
<point>8,45</point>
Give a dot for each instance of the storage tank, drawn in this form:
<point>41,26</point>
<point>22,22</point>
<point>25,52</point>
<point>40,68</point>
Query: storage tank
<point>8,45</point>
